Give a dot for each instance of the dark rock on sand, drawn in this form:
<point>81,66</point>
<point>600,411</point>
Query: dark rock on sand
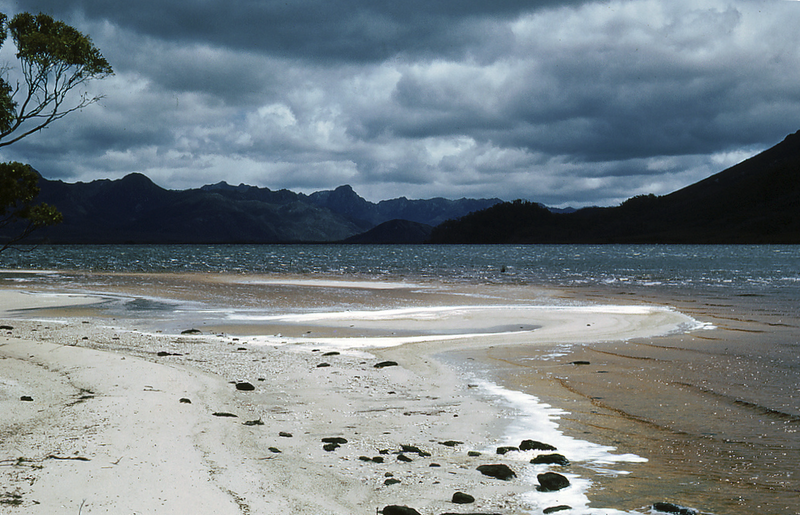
<point>451,443</point>
<point>223,414</point>
<point>323,365</point>
<point>334,439</point>
<point>384,364</point>
<point>274,450</point>
<point>257,422</point>
<point>580,362</point>
<point>332,353</point>
<point>462,498</point>
<point>497,471</point>
<point>6,328</point>
<point>404,458</point>
<point>165,353</point>
<point>377,459</point>
<point>184,400</point>
<point>330,447</point>
<point>503,450</point>
<point>26,398</point>
<point>533,445</point>
<point>668,507</point>
<point>473,454</point>
<point>415,449</point>
<point>552,482</point>
<point>192,331</point>
<point>391,481</point>
<point>554,509</point>
<point>245,387</point>
<point>399,510</point>
<point>285,434</point>
<point>550,459</point>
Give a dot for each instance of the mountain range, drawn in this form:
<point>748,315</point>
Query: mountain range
<point>136,210</point>
<point>756,201</point>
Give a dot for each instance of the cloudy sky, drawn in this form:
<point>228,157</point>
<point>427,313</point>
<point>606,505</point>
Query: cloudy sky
<point>564,102</point>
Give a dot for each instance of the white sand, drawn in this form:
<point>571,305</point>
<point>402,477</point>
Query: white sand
<point>103,395</point>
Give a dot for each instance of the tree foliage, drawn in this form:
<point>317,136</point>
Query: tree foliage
<point>54,62</point>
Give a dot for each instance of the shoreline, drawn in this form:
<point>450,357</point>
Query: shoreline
<point>418,403</point>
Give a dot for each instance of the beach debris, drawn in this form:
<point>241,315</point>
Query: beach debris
<point>498,471</point>
<point>224,414</point>
<point>257,422</point>
<point>550,459</point>
<point>552,482</point>
<point>284,434</point>
<point>668,507</point>
<point>184,400</point>
<point>26,398</point>
<point>245,386</point>
<point>554,509</point>
<point>399,510</point>
<point>534,445</point>
<point>462,498</point>
<point>506,449</point>
<point>384,364</point>
<point>192,331</point>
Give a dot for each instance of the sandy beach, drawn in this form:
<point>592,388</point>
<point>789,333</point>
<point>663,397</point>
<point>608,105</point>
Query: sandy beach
<point>302,412</point>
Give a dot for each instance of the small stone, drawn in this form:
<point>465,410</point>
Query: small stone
<point>553,509</point>
<point>579,363</point>
<point>334,439</point>
<point>399,510</point>
<point>451,443</point>
<point>223,414</point>
<point>404,458</point>
<point>497,471</point>
<point>533,445</point>
<point>258,422</point>
<point>552,482</point>
<point>506,449</point>
<point>245,387</point>
<point>391,481</point>
<point>377,459</point>
<point>462,498</point>
<point>332,353</point>
<point>284,434</point>
<point>192,331</point>
<point>274,450</point>
<point>330,447</point>
<point>184,400</point>
<point>668,507</point>
<point>26,398</point>
<point>473,454</point>
<point>384,364</point>
<point>323,365</point>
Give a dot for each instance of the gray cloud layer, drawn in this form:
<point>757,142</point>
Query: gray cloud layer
<point>562,102</point>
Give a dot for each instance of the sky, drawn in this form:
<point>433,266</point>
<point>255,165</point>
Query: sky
<point>562,102</point>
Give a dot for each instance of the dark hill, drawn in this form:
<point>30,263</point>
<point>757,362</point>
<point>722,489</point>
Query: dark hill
<point>755,201</point>
<point>394,231</point>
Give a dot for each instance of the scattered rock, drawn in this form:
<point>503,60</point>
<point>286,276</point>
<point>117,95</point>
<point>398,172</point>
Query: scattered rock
<point>551,482</point>
<point>504,450</point>
<point>284,434</point>
<point>553,509</point>
<point>26,398</point>
<point>462,498</point>
<point>415,449</point>
<point>245,387</point>
<point>184,400</point>
<point>497,471</point>
<point>384,364</point>
<point>332,353</point>
<point>323,365</point>
<point>550,459</point>
<point>192,331</point>
<point>6,328</point>
<point>377,459</point>
<point>165,353</point>
<point>533,445</point>
<point>399,510</point>
<point>274,450</point>
<point>404,458</point>
<point>338,440</point>
<point>365,458</point>
<point>580,363</point>
<point>473,454</point>
<point>257,422</point>
<point>451,443</point>
<point>668,507</point>
<point>330,447</point>
<point>224,414</point>
<point>434,465</point>
<point>391,481</point>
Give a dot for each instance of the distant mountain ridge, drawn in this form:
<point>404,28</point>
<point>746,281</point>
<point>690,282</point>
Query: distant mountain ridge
<point>756,201</point>
<point>136,210</point>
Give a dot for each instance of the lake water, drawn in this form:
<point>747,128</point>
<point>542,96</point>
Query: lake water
<point>716,415</point>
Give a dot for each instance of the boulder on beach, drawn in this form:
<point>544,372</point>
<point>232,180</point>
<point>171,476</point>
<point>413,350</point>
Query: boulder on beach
<point>534,445</point>
<point>554,509</point>
<point>192,331</point>
<point>399,510</point>
<point>506,449</point>
<point>552,482</point>
<point>462,498</point>
<point>384,364</point>
<point>668,507</point>
<point>498,471</point>
<point>550,459</point>
<point>334,439</point>
<point>245,387</point>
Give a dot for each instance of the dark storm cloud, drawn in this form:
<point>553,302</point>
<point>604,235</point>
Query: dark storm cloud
<point>563,102</point>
